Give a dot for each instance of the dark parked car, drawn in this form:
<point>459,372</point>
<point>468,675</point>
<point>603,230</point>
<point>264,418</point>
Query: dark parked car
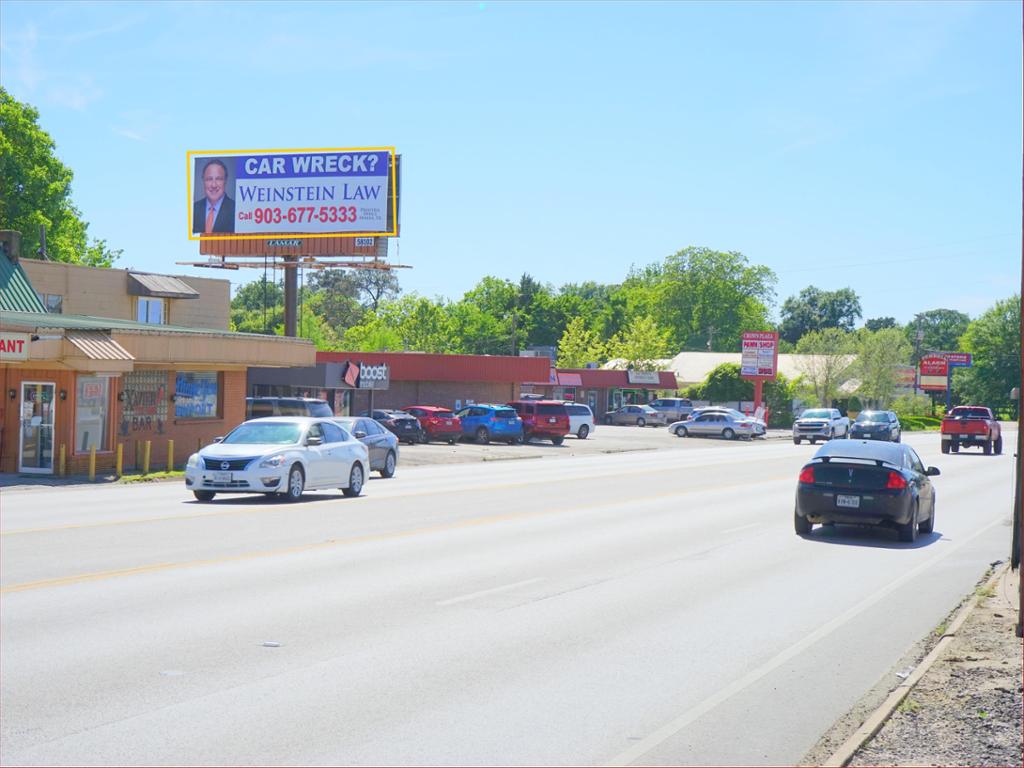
<point>403,425</point>
<point>259,407</point>
<point>876,425</point>
<point>381,444</point>
<point>438,423</point>
<point>864,482</point>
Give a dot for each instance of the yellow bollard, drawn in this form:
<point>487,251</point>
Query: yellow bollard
<point>63,465</point>
<point>120,460</point>
<point>170,455</point>
<point>146,447</point>
<point>92,464</point>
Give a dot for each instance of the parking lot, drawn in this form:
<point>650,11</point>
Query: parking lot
<point>604,439</point>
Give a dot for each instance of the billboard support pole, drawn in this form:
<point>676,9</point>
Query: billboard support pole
<point>291,284</point>
<point>758,391</point>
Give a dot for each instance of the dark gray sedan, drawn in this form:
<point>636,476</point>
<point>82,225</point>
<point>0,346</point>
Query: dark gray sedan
<point>865,482</point>
<point>381,444</point>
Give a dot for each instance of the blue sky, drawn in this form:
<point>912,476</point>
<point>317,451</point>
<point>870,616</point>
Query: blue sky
<point>870,145</point>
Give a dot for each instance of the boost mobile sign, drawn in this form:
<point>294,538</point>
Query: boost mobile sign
<point>322,192</point>
<point>366,376</point>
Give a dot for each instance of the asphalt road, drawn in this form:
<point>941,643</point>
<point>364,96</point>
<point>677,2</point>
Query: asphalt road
<point>651,607</point>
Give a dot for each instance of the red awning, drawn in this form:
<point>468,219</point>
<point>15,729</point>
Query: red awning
<point>570,380</point>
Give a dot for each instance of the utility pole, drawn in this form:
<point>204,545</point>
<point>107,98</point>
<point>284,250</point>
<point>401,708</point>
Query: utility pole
<point>514,338</point>
<point>711,337</point>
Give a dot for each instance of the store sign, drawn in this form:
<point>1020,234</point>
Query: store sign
<point>13,346</point>
<point>642,377</point>
<point>366,376</point>
<point>958,359</point>
<point>933,370</point>
<point>760,355</point>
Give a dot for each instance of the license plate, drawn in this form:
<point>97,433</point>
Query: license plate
<point>447,422</point>
<point>852,502</point>
<point>552,420</point>
<point>222,477</point>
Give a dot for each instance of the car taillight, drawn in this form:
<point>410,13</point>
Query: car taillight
<point>807,475</point>
<point>896,481</point>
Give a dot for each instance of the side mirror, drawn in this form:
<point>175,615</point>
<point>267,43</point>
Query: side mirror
<point>359,435</point>
<point>314,441</point>
<point>932,471</point>
<point>218,439</point>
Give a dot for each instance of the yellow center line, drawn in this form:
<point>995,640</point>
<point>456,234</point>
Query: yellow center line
<point>245,510</point>
<point>369,538</point>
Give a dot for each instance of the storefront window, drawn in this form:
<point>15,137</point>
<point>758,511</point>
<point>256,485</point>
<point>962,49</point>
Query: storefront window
<point>195,395</point>
<point>144,406</point>
<point>91,410</point>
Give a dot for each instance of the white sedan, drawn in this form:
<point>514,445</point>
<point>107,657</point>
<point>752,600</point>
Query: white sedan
<point>282,454</point>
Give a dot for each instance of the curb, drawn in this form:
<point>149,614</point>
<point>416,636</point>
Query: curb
<point>880,716</point>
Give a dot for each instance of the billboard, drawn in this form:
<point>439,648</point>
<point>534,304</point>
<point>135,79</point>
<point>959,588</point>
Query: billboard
<point>933,372</point>
<point>249,194</point>
<point>760,355</point>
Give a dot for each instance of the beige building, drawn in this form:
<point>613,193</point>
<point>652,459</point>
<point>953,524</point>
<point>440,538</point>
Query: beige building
<point>186,301</point>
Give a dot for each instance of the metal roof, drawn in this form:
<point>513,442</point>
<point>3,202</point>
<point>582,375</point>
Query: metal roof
<point>16,292</point>
<point>97,345</point>
<point>50,320</point>
<point>163,286</point>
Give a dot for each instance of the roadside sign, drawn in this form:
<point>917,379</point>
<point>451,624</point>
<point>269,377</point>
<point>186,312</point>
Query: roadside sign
<point>760,355</point>
<point>934,371</point>
<point>958,359</point>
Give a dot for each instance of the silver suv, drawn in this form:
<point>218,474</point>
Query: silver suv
<point>674,408</point>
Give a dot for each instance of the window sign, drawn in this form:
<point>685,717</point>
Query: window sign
<point>144,408</point>
<point>195,395</point>
<point>91,410</point>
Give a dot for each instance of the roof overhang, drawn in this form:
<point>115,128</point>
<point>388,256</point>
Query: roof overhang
<point>160,286</point>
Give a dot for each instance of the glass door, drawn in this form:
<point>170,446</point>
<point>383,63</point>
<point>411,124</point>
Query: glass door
<point>35,441</point>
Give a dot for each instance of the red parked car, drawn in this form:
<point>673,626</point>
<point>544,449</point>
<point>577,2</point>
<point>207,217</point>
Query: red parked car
<point>545,419</point>
<point>438,423</point>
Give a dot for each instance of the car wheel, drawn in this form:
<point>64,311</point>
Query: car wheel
<point>945,447</point>
<point>831,434</point>
<point>641,422</point>
<point>482,437</point>
<point>928,525</point>
<point>583,432</point>
<point>204,495</point>
<point>558,440</point>
<point>814,441</point>
<point>908,531</point>
<point>801,524</point>
<point>796,441</point>
<point>608,421</point>
<point>899,437</point>
<point>296,483</point>
<point>681,432</point>
<point>955,448</point>
<point>728,434</point>
<point>355,481</point>
<point>997,448</point>
<point>390,462</point>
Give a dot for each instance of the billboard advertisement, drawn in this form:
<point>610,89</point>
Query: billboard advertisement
<point>760,355</point>
<point>248,195</point>
<point>933,372</point>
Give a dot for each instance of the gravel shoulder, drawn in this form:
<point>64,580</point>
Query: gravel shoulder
<point>966,710</point>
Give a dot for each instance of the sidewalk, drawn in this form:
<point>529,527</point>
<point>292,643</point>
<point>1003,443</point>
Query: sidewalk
<point>961,705</point>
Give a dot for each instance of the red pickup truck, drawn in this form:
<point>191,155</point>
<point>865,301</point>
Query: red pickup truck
<point>970,426</point>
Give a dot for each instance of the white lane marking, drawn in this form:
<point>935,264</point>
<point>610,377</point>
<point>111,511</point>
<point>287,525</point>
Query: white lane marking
<point>481,593</point>
<point>674,726</point>
<point>742,528</point>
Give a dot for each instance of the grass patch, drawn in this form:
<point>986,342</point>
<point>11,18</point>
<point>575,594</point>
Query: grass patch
<point>941,629</point>
<point>986,591</point>
<point>175,475</point>
<point>909,705</point>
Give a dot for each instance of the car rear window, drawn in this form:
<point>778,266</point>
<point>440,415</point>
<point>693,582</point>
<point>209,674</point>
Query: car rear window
<point>504,413</point>
<point>552,409</point>
<point>320,409</point>
<point>258,410</point>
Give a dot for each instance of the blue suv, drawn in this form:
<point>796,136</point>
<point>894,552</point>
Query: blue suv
<point>484,423</point>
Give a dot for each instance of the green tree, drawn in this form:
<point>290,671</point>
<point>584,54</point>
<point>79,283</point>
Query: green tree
<point>878,323</point>
<point>940,329</point>
<point>994,342</point>
<point>579,345</point>
<point>827,356</point>
<point>815,310</point>
<point>878,355</point>
<point>641,345</point>
<point>375,285</point>
<point>35,190</point>
<point>724,384</point>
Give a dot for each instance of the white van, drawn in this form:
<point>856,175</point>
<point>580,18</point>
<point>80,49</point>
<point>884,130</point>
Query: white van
<point>581,419</point>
